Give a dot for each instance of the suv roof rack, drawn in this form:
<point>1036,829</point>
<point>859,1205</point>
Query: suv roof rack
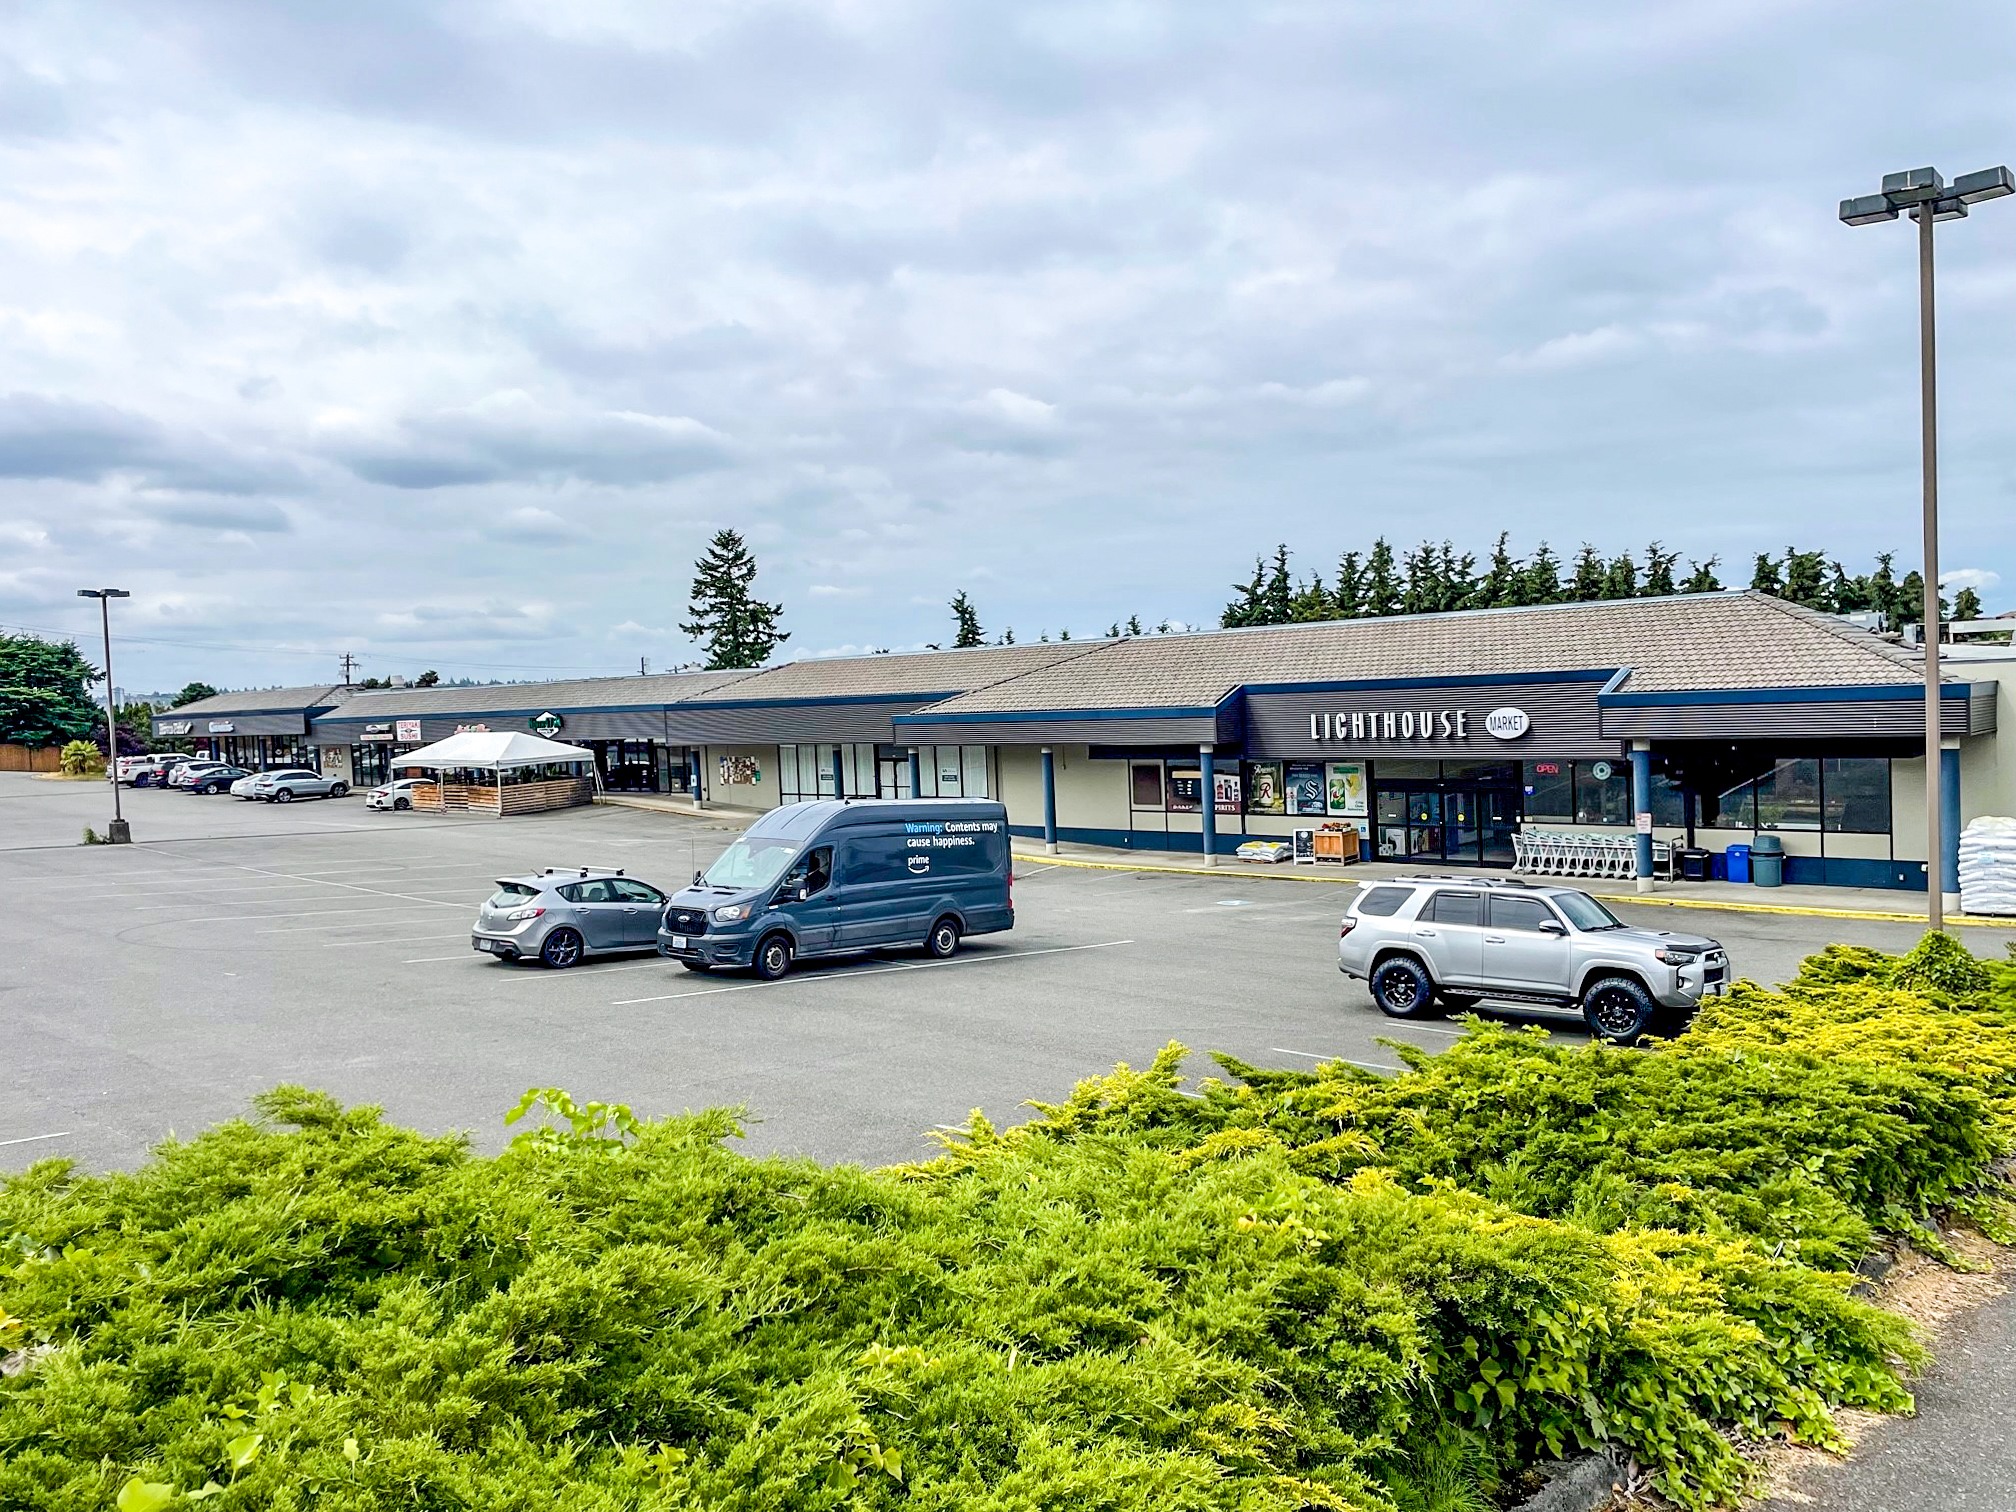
<point>1459,880</point>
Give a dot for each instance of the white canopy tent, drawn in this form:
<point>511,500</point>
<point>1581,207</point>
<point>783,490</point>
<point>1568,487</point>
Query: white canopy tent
<point>492,750</point>
<point>502,751</point>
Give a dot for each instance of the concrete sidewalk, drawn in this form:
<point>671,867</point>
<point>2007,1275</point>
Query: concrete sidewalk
<point>1831,902</point>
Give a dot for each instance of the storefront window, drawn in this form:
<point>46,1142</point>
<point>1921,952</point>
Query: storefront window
<point>1550,791</point>
<point>1264,791</point>
<point>1602,792</point>
<point>953,771</point>
<point>1186,791</point>
<point>1669,799</point>
<point>1148,784</point>
<point>1788,796</point>
<point>1856,790</point>
<point>1305,787</point>
<point>1732,808</point>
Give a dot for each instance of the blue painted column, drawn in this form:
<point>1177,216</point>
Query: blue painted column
<point>1049,802</point>
<point>1949,823</point>
<point>839,774</point>
<point>1641,808</point>
<point>1210,775</point>
<point>916,773</point>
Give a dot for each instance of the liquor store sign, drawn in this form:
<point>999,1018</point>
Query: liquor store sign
<point>1423,724</point>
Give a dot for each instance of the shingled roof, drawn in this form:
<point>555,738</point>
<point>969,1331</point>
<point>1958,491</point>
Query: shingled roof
<point>923,674</point>
<point>658,689</point>
<point>1736,639</point>
<point>262,701</point>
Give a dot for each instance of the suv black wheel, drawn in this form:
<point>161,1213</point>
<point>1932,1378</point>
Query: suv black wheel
<point>944,938</point>
<point>1619,1010</point>
<point>773,957</point>
<point>1401,988</point>
<point>561,950</point>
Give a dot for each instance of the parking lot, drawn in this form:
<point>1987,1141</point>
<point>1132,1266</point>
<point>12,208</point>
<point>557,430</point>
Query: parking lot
<point>157,987</point>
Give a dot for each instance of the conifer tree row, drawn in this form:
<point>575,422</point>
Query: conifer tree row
<point>1435,578</point>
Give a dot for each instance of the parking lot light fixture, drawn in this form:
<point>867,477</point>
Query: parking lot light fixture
<point>119,833</point>
<point>1927,198</point>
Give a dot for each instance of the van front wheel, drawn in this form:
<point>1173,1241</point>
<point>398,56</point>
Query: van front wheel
<point>944,938</point>
<point>773,957</point>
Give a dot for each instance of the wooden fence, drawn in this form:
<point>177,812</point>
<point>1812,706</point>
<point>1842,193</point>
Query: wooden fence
<point>16,758</point>
<point>518,797</point>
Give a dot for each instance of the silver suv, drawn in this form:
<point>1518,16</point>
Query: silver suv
<point>1433,944</point>
<point>561,914</point>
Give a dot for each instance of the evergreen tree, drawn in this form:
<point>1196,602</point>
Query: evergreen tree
<point>1620,578</point>
<point>1911,600</point>
<point>1879,589</point>
<point>1591,576</point>
<point>966,623</point>
<point>1765,578</point>
<point>1277,598</point>
<point>1064,634</point>
<point>1500,583</point>
<point>1422,592</point>
<point>1312,602</point>
<point>1133,624</point>
<point>1702,579</point>
<point>191,692</point>
<point>1805,578</point>
<point>1348,602</point>
<point>737,629</point>
<point>1113,631</point>
<point>1540,581</point>
<point>1458,577</point>
<point>45,693</point>
<point>428,679</point>
<point>1967,605</point>
<point>1381,595</point>
<point>1008,636</point>
<point>1847,594</point>
<point>1246,609</point>
<point>1658,571</point>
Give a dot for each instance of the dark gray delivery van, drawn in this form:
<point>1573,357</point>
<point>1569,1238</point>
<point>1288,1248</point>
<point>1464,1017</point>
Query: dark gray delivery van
<point>830,878</point>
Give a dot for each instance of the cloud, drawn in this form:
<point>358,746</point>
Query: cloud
<point>87,441</point>
<point>248,515</point>
<point>509,436</point>
<point>1978,578</point>
<point>535,526</point>
<point>834,590</point>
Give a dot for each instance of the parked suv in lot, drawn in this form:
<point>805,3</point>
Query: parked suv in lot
<point>562,914</point>
<point>1431,944</point>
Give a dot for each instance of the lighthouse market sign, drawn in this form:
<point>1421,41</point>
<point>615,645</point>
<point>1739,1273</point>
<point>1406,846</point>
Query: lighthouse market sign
<point>1416,724</point>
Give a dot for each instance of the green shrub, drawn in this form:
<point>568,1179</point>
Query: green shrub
<point>1308,1290</point>
<point>80,758</point>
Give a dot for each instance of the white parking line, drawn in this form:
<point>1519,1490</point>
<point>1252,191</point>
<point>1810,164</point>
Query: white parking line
<point>313,913</point>
<point>1311,1055</point>
<point>325,928</point>
<point>577,974</point>
<point>427,960</point>
<point>1431,1029</point>
<point>358,944</point>
<point>848,976</point>
<point>31,1138</point>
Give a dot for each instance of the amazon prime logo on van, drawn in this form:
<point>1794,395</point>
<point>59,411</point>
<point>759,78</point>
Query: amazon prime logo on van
<point>920,862</point>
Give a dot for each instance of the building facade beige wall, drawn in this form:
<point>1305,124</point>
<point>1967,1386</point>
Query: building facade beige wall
<point>741,776</point>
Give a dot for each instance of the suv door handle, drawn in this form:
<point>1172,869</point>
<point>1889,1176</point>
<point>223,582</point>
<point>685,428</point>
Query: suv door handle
<point>1494,939</point>
<point>1424,934</point>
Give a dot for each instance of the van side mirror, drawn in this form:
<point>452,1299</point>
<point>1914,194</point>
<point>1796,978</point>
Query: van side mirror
<point>804,893</point>
<point>697,875</point>
<point>1554,927</point>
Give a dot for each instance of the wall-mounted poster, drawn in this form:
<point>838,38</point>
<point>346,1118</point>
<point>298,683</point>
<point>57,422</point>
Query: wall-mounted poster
<point>740,771</point>
<point>1225,786</point>
<point>1305,787</point>
<point>1186,792</point>
<point>1264,791</point>
<point>1346,792</point>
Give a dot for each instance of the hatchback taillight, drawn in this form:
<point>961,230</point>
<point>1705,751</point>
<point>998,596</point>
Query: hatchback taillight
<point>1345,926</point>
<point>520,915</point>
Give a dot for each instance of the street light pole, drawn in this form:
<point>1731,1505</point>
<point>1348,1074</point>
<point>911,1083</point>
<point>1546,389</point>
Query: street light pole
<point>120,833</point>
<point>1927,197</point>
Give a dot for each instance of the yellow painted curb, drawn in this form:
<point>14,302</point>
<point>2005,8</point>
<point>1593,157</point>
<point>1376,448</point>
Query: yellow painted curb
<point>1239,870</point>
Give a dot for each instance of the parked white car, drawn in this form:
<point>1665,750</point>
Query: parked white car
<point>145,771</point>
<point>242,788</point>
<point>396,794</point>
<point>183,773</point>
<point>289,783</point>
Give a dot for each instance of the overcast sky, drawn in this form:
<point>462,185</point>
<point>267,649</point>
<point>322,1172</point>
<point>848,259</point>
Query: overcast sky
<point>446,334</point>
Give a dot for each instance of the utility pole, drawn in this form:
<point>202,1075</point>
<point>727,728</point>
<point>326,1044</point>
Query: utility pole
<point>119,833</point>
<point>643,666</point>
<point>349,667</point>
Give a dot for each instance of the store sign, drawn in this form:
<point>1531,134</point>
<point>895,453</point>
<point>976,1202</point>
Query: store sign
<point>548,724</point>
<point>223,727</point>
<point>475,729</point>
<point>175,727</point>
<point>1415,724</point>
<point>1507,724</point>
<point>409,729</point>
<point>375,732</point>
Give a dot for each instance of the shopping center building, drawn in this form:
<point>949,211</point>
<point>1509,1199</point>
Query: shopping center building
<point>1435,737</point>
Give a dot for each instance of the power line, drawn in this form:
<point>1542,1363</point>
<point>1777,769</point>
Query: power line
<point>318,655</point>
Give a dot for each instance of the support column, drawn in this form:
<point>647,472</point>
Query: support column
<point>839,773</point>
<point>916,773</point>
<point>1949,823</point>
<point>1049,803</point>
<point>1210,815</point>
<point>1641,809</point>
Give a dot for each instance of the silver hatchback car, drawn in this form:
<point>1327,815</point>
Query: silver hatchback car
<point>562,914</point>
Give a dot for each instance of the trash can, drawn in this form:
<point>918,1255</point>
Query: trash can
<point>1736,860</point>
<point>1767,861</point>
<point>1693,864</point>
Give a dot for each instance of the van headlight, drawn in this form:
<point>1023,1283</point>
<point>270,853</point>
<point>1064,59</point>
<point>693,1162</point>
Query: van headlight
<point>733,913</point>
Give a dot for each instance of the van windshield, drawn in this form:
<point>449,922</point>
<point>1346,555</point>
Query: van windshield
<point>752,861</point>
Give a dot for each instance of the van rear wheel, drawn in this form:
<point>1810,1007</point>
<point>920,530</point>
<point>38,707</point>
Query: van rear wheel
<point>944,938</point>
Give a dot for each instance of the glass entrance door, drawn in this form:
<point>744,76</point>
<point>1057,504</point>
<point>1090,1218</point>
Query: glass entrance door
<point>1446,822</point>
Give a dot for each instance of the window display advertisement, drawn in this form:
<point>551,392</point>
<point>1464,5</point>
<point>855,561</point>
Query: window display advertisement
<point>1347,789</point>
<point>1265,794</point>
<point>1305,787</point>
<point>1225,792</point>
<point>1186,792</point>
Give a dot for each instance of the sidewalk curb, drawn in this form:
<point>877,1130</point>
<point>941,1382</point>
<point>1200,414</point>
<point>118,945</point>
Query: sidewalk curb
<point>1242,870</point>
<point>1578,1485</point>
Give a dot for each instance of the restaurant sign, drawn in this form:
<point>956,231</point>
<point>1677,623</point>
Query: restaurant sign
<point>408,729</point>
<point>548,724</point>
<point>223,727</point>
<point>376,732</point>
<point>175,727</point>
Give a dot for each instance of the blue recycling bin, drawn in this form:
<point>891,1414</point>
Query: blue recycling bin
<point>1767,861</point>
<point>1736,860</point>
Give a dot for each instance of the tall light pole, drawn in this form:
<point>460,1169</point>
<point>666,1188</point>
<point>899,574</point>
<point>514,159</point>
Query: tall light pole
<point>119,834</point>
<point>1928,198</point>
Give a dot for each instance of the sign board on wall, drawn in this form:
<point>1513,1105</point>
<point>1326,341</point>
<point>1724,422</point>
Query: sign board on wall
<point>175,727</point>
<point>740,771</point>
<point>1305,787</point>
<point>223,727</point>
<point>472,729</point>
<point>548,724</point>
<point>1225,790</point>
<point>1267,795</point>
<point>1346,791</point>
<point>408,729</point>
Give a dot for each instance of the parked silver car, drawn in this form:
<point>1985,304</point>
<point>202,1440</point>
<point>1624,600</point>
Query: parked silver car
<point>289,783</point>
<point>1432,944</point>
<point>562,914</point>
